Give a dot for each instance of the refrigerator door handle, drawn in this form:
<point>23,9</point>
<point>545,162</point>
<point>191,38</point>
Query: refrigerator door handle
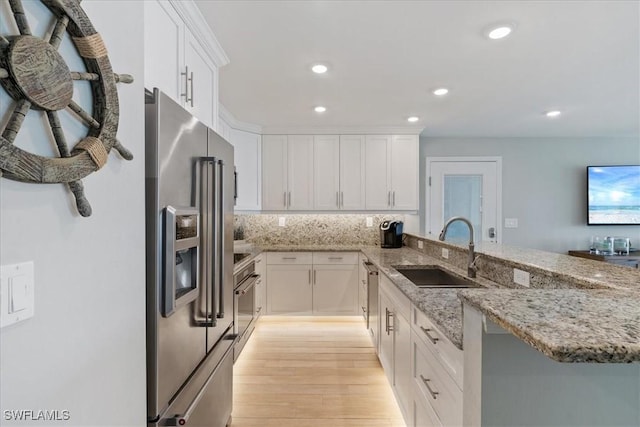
<point>219,212</point>
<point>183,419</point>
<point>207,186</point>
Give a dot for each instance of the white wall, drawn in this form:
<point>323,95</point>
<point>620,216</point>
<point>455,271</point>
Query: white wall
<point>544,184</point>
<point>84,351</point>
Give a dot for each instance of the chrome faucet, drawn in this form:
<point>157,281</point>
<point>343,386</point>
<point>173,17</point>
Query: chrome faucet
<point>471,267</point>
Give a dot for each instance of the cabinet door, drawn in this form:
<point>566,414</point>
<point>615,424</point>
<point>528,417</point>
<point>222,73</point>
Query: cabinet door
<point>202,73</point>
<point>274,172</point>
<point>363,280</point>
<point>402,362</point>
<point>300,174</point>
<point>289,290</point>
<point>326,172</point>
<point>404,172</point>
<point>335,289</point>
<point>385,316</point>
<point>247,148</point>
<point>163,49</point>
<point>423,414</point>
<point>377,172</point>
<point>352,176</point>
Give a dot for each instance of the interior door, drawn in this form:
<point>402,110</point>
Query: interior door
<point>468,187</point>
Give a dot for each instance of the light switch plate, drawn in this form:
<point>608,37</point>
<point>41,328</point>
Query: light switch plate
<point>445,253</point>
<point>521,277</point>
<point>16,293</point>
<point>511,223</point>
<point>369,221</point>
<point>281,221</point>
<point>420,244</point>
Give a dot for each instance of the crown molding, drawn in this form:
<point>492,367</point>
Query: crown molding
<point>347,130</point>
<point>196,23</point>
<point>235,123</point>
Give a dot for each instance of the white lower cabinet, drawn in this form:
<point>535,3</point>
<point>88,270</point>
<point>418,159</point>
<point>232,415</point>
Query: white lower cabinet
<point>436,375</point>
<point>395,342</point>
<point>305,283</point>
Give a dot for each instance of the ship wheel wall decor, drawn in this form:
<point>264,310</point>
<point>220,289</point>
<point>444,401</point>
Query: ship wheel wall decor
<point>36,76</point>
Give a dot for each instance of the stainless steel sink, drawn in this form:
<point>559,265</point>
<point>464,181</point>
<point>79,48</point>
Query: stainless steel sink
<point>434,277</point>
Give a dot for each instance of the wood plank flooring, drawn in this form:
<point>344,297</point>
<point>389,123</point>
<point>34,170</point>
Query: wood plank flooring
<point>312,372</point>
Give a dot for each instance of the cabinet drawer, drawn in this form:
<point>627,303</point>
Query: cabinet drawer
<point>423,413</point>
<point>436,386</point>
<point>289,258</point>
<point>449,356</point>
<point>350,258</point>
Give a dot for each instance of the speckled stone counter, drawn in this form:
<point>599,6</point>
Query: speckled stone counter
<point>568,325</point>
<point>442,306</point>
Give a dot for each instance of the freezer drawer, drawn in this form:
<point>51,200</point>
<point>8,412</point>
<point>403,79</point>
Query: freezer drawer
<point>206,399</point>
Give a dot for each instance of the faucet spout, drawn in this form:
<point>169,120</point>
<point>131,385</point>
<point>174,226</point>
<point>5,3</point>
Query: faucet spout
<point>471,265</point>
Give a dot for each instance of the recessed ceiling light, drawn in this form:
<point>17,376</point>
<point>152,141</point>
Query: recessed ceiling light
<point>554,113</point>
<point>441,91</point>
<point>319,68</point>
<point>320,109</point>
<point>499,32</point>
<point>413,119</point>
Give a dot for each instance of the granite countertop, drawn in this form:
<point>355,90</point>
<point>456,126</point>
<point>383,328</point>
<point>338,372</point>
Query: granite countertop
<point>568,325</point>
<point>442,306</point>
<point>598,321</point>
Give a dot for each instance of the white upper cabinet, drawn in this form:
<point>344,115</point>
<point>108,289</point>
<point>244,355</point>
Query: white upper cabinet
<point>326,172</point>
<point>287,178</point>
<point>201,81</point>
<point>274,172</point>
<point>182,57</point>
<point>247,149</point>
<point>339,172</point>
<point>163,53</point>
<point>392,172</point>
<point>300,173</point>
<point>377,172</point>
<point>352,175</point>
<point>404,172</point>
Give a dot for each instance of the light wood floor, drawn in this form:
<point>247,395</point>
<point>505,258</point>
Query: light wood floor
<point>311,372</point>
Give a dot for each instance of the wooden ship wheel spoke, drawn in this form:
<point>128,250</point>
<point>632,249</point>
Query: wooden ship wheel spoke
<point>37,77</point>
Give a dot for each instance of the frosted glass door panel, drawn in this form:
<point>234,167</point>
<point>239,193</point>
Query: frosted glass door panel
<point>463,197</point>
<point>466,188</point>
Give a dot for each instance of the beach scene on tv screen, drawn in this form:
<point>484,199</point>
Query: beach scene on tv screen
<point>614,195</point>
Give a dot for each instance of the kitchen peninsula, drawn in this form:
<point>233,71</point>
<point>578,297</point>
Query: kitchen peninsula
<point>569,340</point>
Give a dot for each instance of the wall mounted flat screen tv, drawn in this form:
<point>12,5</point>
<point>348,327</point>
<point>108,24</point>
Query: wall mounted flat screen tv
<point>614,195</point>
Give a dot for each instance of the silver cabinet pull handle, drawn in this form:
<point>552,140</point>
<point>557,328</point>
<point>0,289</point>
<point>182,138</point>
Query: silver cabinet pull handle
<point>431,338</point>
<point>433,393</point>
<point>191,100</point>
<point>289,202</point>
<point>337,258</point>
<point>389,315</point>
<point>289,257</point>
<point>309,276</point>
<point>186,84</point>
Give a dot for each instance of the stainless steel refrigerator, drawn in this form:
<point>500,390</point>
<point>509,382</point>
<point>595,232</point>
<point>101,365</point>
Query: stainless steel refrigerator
<point>189,260</point>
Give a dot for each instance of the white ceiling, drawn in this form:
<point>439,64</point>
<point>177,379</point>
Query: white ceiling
<point>385,58</point>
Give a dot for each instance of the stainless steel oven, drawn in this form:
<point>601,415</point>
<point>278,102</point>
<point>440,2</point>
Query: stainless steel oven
<point>245,305</point>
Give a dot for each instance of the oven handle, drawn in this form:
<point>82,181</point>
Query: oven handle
<point>247,284</point>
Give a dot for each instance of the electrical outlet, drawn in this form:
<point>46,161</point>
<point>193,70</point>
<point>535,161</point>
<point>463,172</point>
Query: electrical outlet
<point>521,277</point>
<point>281,221</point>
<point>420,244</point>
<point>369,221</point>
<point>445,253</point>
<point>511,223</point>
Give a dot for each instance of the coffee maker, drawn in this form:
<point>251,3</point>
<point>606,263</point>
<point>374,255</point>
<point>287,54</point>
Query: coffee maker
<point>391,234</point>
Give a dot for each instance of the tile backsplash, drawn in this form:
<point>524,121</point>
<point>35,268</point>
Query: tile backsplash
<point>304,229</point>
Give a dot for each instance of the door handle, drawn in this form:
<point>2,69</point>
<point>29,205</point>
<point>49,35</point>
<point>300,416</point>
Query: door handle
<point>492,233</point>
<point>314,277</point>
